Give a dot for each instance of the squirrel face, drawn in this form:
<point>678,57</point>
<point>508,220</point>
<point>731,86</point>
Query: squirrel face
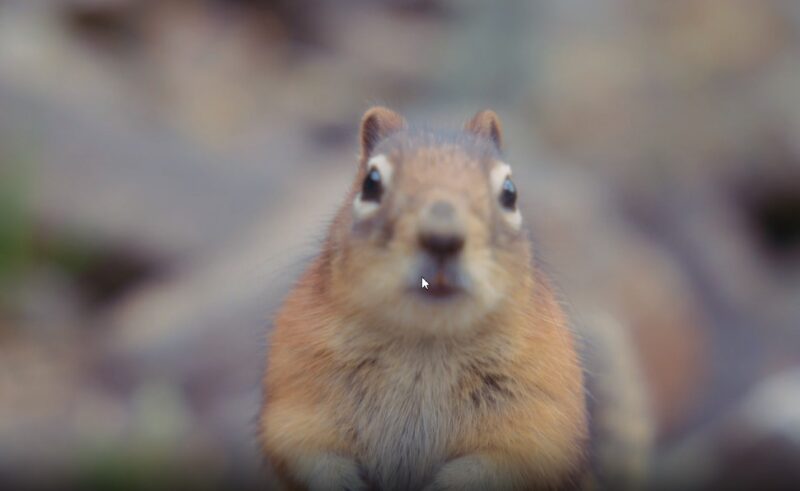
<point>433,205</point>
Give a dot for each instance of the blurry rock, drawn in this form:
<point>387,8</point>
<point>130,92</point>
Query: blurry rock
<point>753,301</point>
<point>202,331</point>
<point>45,299</point>
<point>108,24</point>
<point>671,91</point>
<point>773,407</point>
<point>585,104</point>
<point>38,381</point>
<point>755,445</point>
<point>704,41</point>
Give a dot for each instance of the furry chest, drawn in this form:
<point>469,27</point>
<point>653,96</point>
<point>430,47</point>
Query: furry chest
<point>402,420</point>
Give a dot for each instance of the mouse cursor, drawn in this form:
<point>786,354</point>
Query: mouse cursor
<point>424,284</point>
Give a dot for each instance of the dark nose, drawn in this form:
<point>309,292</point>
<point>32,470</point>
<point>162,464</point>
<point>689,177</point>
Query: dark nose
<point>441,234</point>
<point>441,245</point>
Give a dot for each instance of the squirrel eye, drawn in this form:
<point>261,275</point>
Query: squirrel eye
<point>508,195</point>
<point>372,188</point>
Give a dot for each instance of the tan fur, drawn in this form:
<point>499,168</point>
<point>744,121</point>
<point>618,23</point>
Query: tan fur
<point>369,386</point>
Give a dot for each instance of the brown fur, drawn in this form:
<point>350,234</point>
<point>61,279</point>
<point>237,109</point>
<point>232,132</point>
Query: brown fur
<point>370,387</point>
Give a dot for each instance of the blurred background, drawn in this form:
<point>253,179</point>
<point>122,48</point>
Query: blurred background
<point>167,167</point>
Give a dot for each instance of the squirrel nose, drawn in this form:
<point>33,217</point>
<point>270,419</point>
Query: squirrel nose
<point>441,245</point>
<point>441,233</point>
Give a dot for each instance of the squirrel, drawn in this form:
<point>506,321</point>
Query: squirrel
<point>376,382</point>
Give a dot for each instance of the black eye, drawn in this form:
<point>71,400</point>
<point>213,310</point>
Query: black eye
<point>508,196</point>
<point>372,188</point>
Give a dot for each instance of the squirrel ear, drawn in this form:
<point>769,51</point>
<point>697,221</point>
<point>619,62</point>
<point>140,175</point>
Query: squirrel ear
<point>486,124</point>
<point>378,123</point>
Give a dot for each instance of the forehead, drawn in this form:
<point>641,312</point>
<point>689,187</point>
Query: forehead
<point>455,157</point>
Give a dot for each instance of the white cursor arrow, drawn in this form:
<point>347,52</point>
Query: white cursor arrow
<point>424,284</point>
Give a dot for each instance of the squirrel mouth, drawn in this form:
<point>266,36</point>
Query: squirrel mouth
<point>444,279</point>
<point>441,285</point>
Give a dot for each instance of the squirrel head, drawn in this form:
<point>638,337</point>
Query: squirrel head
<point>429,204</point>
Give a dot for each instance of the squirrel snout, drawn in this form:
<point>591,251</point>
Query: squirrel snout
<point>441,233</point>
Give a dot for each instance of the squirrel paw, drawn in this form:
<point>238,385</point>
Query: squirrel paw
<point>335,473</point>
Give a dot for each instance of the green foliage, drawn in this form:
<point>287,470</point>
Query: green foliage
<point>137,469</point>
<point>16,230</point>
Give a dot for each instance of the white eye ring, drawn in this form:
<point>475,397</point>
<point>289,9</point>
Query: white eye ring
<point>363,209</point>
<point>497,177</point>
<point>383,165</point>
